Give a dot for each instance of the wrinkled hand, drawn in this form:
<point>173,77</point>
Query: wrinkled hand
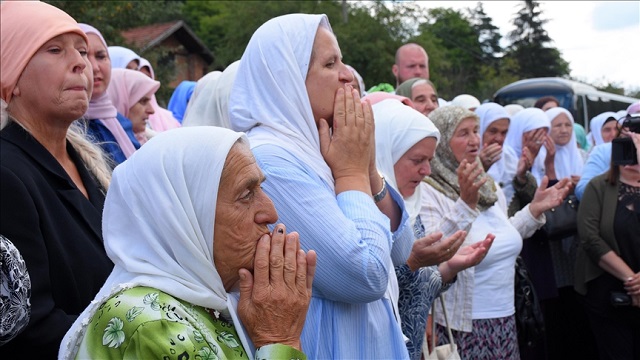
<point>490,154</point>
<point>348,148</point>
<point>551,150</point>
<point>470,255</point>
<point>470,182</point>
<point>429,250</point>
<point>547,198</point>
<point>274,300</point>
<point>534,140</point>
<point>524,163</point>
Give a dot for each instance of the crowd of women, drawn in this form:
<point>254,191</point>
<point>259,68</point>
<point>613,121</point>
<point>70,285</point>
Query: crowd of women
<point>274,212</point>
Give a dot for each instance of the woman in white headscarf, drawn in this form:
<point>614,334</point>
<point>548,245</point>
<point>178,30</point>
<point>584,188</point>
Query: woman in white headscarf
<point>209,104</point>
<point>499,160</point>
<point>603,128</point>
<point>459,196</point>
<point>185,223</point>
<point>568,162</point>
<point>290,90</point>
<point>123,58</point>
<point>529,129</point>
<point>405,144</point>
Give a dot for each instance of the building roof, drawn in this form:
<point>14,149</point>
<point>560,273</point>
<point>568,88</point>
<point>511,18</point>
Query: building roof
<point>146,37</point>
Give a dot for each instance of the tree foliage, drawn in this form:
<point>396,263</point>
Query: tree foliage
<point>465,52</point>
<point>530,45</point>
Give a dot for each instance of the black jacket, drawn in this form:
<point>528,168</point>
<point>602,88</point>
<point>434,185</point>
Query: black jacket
<point>58,231</point>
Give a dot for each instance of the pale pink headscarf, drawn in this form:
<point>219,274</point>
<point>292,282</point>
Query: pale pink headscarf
<point>102,109</point>
<point>128,87</point>
<point>24,27</point>
<point>162,119</point>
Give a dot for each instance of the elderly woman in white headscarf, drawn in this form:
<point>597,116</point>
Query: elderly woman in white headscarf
<point>290,90</point>
<point>185,223</point>
<point>529,129</point>
<point>499,160</point>
<point>567,160</point>
<point>459,196</point>
<point>405,144</point>
<point>209,104</point>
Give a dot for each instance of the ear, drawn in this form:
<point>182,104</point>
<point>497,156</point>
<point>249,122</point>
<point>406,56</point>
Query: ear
<point>394,70</point>
<point>16,91</point>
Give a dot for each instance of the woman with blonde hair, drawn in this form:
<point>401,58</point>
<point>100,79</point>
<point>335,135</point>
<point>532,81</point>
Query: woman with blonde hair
<point>53,179</point>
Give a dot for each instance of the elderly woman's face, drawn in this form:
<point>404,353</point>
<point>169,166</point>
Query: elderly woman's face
<point>326,75</point>
<point>424,98</point>
<point>465,142</point>
<point>139,113</point>
<point>99,57</point>
<point>414,165</point>
<point>561,129</point>
<point>243,212</point>
<point>57,82</point>
<point>496,132</point>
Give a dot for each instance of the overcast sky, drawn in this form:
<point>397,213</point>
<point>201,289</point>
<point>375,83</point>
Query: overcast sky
<point>599,39</point>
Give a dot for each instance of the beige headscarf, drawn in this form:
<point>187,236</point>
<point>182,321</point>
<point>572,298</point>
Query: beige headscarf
<point>24,27</point>
<point>444,165</point>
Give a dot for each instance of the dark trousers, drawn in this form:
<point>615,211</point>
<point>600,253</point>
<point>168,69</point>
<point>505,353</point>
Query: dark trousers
<point>568,334</point>
<point>615,341</point>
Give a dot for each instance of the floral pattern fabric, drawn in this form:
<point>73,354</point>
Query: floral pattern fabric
<point>15,291</point>
<point>418,290</point>
<point>146,323</point>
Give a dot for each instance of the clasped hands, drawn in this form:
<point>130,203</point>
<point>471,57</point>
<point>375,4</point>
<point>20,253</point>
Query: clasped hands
<point>274,299</point>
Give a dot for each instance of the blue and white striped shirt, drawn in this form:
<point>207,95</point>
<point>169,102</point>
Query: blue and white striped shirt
<point>348,317</point>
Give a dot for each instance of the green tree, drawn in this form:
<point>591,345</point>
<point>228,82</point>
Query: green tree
<point>488,35</point>
<point>455,54</point>
<point>530,45</point>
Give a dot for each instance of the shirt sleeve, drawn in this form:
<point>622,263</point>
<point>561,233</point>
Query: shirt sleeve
<point>525,223</point>
<point>589,218</point>
<point>439,213</point>
<point>403,237</point>
<point>598,162</point>
<point>350,235</point>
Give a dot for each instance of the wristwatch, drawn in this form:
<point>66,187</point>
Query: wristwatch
<point>382,193</point>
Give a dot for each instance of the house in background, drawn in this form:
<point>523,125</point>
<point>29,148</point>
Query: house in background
<point>187,54</point>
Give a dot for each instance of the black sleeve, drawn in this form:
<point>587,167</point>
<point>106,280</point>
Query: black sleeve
<point>20,222</point>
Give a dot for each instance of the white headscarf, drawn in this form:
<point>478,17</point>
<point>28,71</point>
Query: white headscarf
<point>398,128</point>
<point>568,160</point>
<point>503,170</point>
<point>209,104</point>
<point>523,121</point>
<point>158,223</point>
<point>122,56</point>
<point>270,100</point>
<point>595,127</point>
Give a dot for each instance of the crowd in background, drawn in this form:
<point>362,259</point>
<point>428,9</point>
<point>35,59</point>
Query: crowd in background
<point>280,209</point>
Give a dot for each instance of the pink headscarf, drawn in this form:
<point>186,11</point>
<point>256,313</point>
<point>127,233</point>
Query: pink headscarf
<point>377,96</point>
<point>101,108</point>
<point>128,87</point>
<point>162,119</point>
<point>24,27</point>
<point>634,108</point>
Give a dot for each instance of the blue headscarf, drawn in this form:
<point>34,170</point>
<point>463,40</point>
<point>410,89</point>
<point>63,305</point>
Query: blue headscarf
<point>180,99</point>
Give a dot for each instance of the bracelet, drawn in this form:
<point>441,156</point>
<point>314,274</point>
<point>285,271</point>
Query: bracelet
<point>382,193</point>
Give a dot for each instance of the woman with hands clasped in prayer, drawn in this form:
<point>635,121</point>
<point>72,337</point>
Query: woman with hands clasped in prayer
<point>459,196</point>
<point>314,139</point>
<point>405,144</point>
<point>185,223</point>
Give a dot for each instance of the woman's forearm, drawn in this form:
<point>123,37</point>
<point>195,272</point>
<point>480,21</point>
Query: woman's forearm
<point>614,265</point>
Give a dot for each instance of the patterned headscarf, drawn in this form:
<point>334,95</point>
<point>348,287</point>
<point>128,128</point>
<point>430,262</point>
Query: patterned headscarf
<point>444,165</point>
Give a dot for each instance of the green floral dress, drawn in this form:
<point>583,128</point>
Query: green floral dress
<point>146,323</point>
